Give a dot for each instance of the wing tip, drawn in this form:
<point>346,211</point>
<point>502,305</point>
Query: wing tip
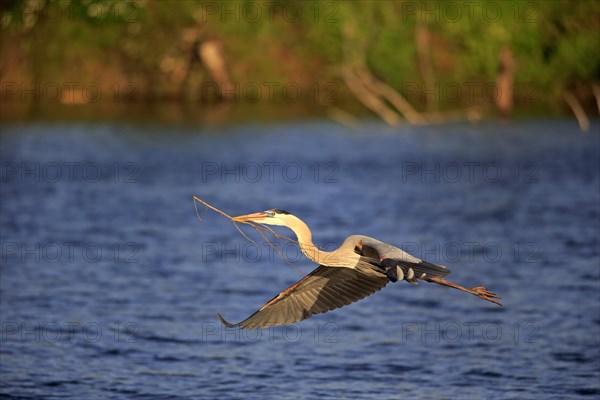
<point>225,322</point>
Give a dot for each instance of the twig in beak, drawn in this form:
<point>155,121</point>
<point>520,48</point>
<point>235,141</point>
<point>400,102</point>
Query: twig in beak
<point>260,228</point>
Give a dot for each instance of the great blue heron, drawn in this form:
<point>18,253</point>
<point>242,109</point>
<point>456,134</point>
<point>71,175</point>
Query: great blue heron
<point>360,267</point>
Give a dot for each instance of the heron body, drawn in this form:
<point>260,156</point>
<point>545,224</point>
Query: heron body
<point>360,267</point>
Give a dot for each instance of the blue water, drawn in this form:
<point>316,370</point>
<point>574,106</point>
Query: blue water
<point>110,284</point>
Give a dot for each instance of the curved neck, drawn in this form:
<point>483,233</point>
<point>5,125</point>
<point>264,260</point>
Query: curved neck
<point>307,246</point>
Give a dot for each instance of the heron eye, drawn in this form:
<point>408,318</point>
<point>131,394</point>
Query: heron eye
<point>270,213</point>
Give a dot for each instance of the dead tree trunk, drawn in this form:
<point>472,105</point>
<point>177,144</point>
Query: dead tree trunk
<point>211,55</point>
<point>505,81</point>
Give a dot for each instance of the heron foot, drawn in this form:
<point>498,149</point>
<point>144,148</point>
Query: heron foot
<point>479,291</point>
<point>483,293</point>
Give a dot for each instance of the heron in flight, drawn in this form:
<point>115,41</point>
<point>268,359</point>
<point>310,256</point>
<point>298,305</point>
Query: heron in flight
<point>360,267</point>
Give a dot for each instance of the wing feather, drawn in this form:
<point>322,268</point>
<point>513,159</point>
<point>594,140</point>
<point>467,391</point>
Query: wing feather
<point>324,289</point>
<point>389,256</point>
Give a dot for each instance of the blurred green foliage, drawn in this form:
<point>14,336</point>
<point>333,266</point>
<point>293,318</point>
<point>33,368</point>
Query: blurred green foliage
<point>555,44</point>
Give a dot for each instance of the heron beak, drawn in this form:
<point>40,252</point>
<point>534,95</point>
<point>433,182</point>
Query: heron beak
<point>255,217</point>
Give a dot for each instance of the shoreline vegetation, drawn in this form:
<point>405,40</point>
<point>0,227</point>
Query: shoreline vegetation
<point>404,62</point>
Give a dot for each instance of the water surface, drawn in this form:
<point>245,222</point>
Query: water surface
<point>110,284</point>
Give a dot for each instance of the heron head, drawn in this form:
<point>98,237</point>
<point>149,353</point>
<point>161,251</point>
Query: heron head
<point>269,217</point>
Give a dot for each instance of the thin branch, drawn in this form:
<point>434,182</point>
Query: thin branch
<point>596,91</point>
<point>395,98</point>
<point>582,119</point>
<point>365,96</point>
<point>260,228</point>
<point>343,117</point>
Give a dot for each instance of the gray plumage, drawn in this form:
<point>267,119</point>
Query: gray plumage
<point>360,267</point>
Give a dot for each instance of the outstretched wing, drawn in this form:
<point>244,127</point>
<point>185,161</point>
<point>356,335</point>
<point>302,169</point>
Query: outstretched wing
<point>388,257</point>
<point>324,289</point>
